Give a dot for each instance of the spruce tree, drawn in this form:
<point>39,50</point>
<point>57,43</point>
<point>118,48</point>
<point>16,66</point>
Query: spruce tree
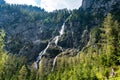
<point>23,73</point>
<point>3,55</point>
<point>110,40</point>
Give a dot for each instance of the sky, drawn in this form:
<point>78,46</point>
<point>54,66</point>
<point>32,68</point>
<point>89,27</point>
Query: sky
<point>50,5</point>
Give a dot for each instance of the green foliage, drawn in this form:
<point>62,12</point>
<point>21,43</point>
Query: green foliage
<point>3,55</point>
<point>2,35</point>
<point>23,73</point>
<point>110,36</point>
<point>9,64</point>
<point>12,66</point>
<point>99,61</point>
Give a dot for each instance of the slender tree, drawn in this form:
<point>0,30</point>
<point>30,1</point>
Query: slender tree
<point>23,73</point>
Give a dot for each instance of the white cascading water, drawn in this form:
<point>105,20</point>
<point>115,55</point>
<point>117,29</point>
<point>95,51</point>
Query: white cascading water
<point>62,29</point>
<point>54,61</point>
<point>56,39</point>
<point>61,32</point>
<point>40,56</point>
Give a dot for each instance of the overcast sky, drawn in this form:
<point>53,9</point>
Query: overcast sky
<point>49,5</point>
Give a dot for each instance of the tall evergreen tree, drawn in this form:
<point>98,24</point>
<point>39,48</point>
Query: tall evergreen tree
<point>3,55</point>
<point>110,39</point>
<point>23,73</point>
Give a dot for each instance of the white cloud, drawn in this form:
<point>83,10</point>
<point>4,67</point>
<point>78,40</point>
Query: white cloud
<point>49,5</point>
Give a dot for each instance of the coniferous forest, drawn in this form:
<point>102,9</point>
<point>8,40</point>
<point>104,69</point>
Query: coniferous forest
<point>79,44</point>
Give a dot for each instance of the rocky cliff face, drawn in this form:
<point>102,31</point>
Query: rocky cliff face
<point>82,21</point>
<point>100,7</point>
<point>27,29</point>
<point>95,5</point>
<point>90,14</point>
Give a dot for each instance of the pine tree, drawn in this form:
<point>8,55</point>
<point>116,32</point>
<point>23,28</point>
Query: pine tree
<point>110,40</point>
<point>23,73</point>
<point>3,55</point>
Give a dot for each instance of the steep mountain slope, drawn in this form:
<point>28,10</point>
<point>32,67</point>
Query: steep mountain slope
<point>45,26</point>
<point>89,15</point>
<point>100,9</point>
<point>29,28</point>
<point>52,41</point>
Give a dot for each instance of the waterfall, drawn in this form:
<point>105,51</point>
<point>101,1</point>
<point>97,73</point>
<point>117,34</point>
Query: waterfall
<point>61,32</point>
<point>56,39</point>
<point>62,29</point>
<point>40,56</point>
<point>54,61</point>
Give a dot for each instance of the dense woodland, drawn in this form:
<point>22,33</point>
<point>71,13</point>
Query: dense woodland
<point>98,50</point>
